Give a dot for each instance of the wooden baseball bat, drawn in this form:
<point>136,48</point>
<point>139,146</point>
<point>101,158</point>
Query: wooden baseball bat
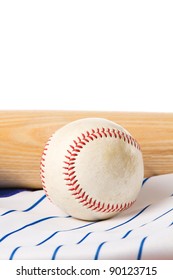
<point>23,135</point>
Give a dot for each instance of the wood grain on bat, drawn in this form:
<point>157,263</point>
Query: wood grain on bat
<point>23,135</point>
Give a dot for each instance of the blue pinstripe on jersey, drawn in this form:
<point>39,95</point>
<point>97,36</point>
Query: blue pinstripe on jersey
<point>131,229</point>
<point>29,208</point>
<point>129,220</point>
<point>96,257</point>
<point>25,226</point>
<point>139,256</point>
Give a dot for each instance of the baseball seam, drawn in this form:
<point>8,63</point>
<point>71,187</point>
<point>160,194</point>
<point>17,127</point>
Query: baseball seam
<point>71,177</point>
<point>42,167</point>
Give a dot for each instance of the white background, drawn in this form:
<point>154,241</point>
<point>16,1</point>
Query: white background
<point>86,55</point>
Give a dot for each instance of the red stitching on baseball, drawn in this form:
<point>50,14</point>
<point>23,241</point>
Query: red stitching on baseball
<point>70,177</point>
<point>42,167</point>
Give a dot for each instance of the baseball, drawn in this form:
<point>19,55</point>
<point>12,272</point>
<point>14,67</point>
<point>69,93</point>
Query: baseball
<point>92,169</point>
